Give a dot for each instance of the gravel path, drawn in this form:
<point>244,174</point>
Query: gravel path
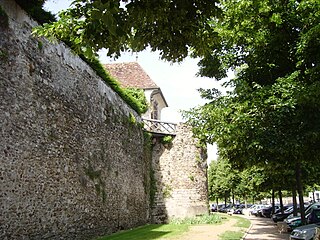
<point>209,232</point>
<point>260,229</point>
<point>264,228</point>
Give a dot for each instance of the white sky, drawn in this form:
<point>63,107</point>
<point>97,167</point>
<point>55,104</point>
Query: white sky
<point>178,82</point>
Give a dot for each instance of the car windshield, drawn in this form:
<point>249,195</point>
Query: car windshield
<point>310,207</point>
<point>289,210</point>
<point>292,216</point>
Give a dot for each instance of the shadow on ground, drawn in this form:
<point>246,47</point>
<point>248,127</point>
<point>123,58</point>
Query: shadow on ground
<point>264,228</point>
<point>149,232</point>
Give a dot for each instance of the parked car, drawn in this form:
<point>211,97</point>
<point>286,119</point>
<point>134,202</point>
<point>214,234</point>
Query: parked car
<point>306,232</point>
<point>229,209</point>
<point>279,217</point>
<point>312,214</point>
<point>213,207</point>
<point>255,208</point>
<point>224,208</point>
<point>239,209</point>
<point>267,211</point>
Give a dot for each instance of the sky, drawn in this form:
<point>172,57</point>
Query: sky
<point>178,81</point>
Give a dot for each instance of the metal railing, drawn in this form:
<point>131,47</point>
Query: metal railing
<point>159,127</point>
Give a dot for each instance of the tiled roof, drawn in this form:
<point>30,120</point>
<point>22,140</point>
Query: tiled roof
<point>130,74</point>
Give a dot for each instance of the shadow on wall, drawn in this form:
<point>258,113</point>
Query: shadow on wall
<point>180,177</point>
<point>159,213</point>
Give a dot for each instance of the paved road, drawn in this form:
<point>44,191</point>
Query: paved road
<point>264,229</point>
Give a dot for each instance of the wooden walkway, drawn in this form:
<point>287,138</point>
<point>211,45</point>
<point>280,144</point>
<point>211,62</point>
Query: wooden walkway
<point>160,128</point>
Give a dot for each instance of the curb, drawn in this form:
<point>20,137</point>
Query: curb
<point>247,231</point>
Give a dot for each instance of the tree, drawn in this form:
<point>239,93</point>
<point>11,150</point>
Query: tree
<point>225,182</point>
<point>219,180</point>
<point>273,115</point>
<point>267,39</point>
<point>263,126</point>
<point>250,184</point>
<point>170,26</point>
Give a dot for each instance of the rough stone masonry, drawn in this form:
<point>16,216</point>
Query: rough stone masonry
<point>73,164</point>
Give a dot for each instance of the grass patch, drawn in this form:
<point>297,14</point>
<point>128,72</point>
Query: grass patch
<point>176,227</point>
<point>242,222</point>
<point>231,235</point>
<point>149,232</point>
<point>204,219</point>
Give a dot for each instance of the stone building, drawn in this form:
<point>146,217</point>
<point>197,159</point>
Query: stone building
<point>132,75</point>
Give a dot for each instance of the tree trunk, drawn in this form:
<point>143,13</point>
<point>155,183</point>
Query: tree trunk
<point>281,203</point>
<point>294,201</point>
<point>232,199</point>
<point>300,192</point>
<point>225,200</point>
<point>245,202</point>
<point>273,203</point>
<point>217,202</point>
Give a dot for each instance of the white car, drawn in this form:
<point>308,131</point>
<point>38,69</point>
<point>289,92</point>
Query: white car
<point>255,208</point>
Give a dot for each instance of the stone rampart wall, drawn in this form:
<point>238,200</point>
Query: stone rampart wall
<point>72,161</point>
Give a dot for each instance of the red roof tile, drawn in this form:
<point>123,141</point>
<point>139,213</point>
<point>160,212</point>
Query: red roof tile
<point>130,74</point>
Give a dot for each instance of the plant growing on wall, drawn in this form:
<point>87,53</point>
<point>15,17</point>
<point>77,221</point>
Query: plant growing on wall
<point>167,139</point>
<point>134,103</point>
<point>153,187</point>
<point>4,21</point>
<point>132,119</point>
<point>167,190</point>
<point>35,9</point>
<point>139,96</point>
<point>192,178</point>
<point>95,176</point>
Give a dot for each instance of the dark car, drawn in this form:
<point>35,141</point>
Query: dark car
<point>279,217</point>
<point>224,208</point>
<point>266,212</point>
<point>215,207</point>
<point>306,232</point>
<point>238,209</point>
<point>312,213</point>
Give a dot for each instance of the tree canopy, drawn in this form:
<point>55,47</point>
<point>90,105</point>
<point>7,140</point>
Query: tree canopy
<point>171,26</point>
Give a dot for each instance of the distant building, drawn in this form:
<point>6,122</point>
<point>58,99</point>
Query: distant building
<point>132,75</point>
<point>314,196</point>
